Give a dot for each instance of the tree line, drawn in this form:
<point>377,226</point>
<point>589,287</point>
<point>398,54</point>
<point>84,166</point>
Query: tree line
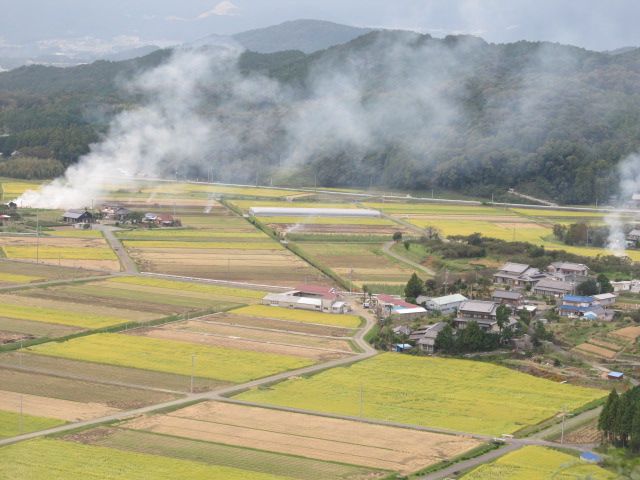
<point>619,420</point>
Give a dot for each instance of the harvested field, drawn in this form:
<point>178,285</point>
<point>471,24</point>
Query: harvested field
<point>604,344</point>
<point>51,407</point>
<point>12,424</point>
<point>461,395</point>
<point>294,315</point>
<point>95,372</point>
<point>309,436</point>
<point>279,325</point>
<point>40,271</point>
<point>36,329</point>
<point>195,331</point>
<point>586,435</point>
<point>627,333</point>
<point>172,357</point>
<point>10,337</point>
<point>596,351</point>
<point>540,463</point>
<point>297,468</point>
<point>42,458</point>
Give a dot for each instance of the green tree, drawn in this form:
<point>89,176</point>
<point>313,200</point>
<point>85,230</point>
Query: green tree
<point>634,442</point>
<point>502,316</point>
<point>397,236</point>
<point>606,418</point>
<point>445,340</point>
<point>588,287</point>
<point>414,288</point>
<point>604,284</point>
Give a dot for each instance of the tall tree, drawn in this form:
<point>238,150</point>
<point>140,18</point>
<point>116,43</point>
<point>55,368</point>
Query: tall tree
<point>414,288</point>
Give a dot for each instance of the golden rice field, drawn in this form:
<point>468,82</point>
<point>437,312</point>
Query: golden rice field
<point>55,252</point>
<point>6,277</point>
<point>247,204</point>
<point>61,317</point>
<point>214,290</point>
<point>268,245</point>
<point>45,459</point>
<point>540,463</point>
<point>73,233</point>
<point>157,234</point>
<point>172,356</point>
<point>191,189</point>
<point>13,188</point>
<point>294,315</point>
<point>11,425</point>
<point>459,395</point>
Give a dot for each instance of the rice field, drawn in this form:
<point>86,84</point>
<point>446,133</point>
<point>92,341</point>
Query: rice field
<point>199,245</point>
<point>12,189</point>
<point>9,278</point>
<point>44,458</point>
<point>12,272</point>
<point>12,424</point>
<point>366,221</point>
<point>460,395</point>
<point>294,315</point>
<point>540,463</point>
<point>68,316</point>
<point>172,356</point>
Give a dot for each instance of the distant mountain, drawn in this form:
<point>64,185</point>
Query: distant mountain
<point>131,53</point>
<point>305,35</point>
<point>621,50</point>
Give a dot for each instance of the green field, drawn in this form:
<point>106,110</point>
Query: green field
<point>172,357</point>
<point>267,311</point>
<point>11,423</point>
<point>460,395</point>
<point>17,278</point>
<point>538,463</point>
<point>48,459</point>
<point>62,317</point>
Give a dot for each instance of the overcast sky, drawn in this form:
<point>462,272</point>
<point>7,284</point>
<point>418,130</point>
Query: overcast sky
<point>593,24</point>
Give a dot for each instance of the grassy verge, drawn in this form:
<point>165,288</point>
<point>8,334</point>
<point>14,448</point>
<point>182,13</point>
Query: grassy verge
<point>473,453</point>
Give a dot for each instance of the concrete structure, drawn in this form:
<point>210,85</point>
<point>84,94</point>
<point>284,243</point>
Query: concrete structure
<point>308,297</point>
<point>482,312</point>
<point>388,305</point>
<point>569,271</point>
<point>508,297</point>
<point>78,216</point>
<point>114,211</point>
<point>445,305</point>
<point>606,300</point>
<point>425,337</point>
<point>517,275</point>
<point>632,286</point>
<point>549,287</point>
<point>312,212</point>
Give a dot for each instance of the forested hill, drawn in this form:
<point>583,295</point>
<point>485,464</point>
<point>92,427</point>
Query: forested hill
<point>456,113</point>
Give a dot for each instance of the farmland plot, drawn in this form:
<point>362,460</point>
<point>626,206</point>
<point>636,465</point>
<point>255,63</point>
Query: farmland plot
<point>539,463</point>
<point>321,438</point>
<point>42,459</point>
<point>171,356</point>
<point>13,273</point>
<point>12,424</point>
<point>88,253</point>
<point>11,189</point>
<point>294,315</point>
<point>292,467</point>
<point>459,395</point>
<point>361,263</point>
<point>218,245</point>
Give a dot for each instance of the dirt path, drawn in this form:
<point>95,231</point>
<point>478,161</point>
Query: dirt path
<point>128,265</point>
<point>387,250</point>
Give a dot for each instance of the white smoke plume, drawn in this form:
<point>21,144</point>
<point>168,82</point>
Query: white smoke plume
<point>629,172</point>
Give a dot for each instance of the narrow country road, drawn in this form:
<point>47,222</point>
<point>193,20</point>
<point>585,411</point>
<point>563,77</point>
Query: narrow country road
<point>454,469</point>
<point>128,265</point>
<point>387,250</point>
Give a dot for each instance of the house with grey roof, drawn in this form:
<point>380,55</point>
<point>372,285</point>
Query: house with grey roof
<point>549,287</point>
<point>517,275</point>
<point>446,304</point>
<point>77,216</point>
<point>425,337</point>
<point>569,271</point>
<point>483,312</point>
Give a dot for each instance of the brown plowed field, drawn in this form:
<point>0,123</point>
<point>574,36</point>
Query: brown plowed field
<point>627,333</point>
<point>595,350</point>
<point>308,436</point>
<point>52,407</point>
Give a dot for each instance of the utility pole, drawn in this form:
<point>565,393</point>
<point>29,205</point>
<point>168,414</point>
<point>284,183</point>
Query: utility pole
<point>564,414</point>
<point>193,367</point>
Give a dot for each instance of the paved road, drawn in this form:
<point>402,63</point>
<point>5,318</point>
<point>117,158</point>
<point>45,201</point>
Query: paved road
<point>386,248</point>
<point>453,470</point>
<point>128,265</point>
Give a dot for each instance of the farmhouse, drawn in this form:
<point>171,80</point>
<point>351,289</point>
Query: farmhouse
<point>582,306</point>
<point>445,305</point>
<point>634,236</point>
<point>507,297</point>
<point>632,286</point>
<point>312,212</point>
<point>77,216</point>
<point>425,337</point>
<point>606,300</point>
<point>387,305</point>
<point>481,311</point>
<point>161,219</point>
<point>569,271</point>
<point>114,211</point>
<point>517,275</point>
<point>548,287</point>
<point>308,297</point>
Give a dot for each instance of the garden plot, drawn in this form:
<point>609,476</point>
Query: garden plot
<point>172,356</point>
<point>360,263</point>
<point>539,463</point>
<point>206,332</point>
<point>217,245</point>
<point>292,467</point>
<point>21,272</point>
<point>459,395</point>
<point>87,253</point>
<point>627,333</point>
<point>44,459</point>
<point>321,438</point>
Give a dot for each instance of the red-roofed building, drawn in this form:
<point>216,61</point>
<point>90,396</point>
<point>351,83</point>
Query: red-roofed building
<point>388,305</point>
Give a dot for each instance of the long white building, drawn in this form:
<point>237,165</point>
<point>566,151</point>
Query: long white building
<point>312,212</point>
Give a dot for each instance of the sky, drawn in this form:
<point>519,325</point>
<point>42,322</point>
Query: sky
<point>95,24</point>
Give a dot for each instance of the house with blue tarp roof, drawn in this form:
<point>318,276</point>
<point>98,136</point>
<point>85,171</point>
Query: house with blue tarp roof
<point>583,306</point>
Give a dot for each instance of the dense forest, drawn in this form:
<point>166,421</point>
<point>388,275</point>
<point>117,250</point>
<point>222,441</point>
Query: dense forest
<point>406,111</point>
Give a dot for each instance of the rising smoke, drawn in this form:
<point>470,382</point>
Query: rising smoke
<point>629,173</point>
<point>392,108</point>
